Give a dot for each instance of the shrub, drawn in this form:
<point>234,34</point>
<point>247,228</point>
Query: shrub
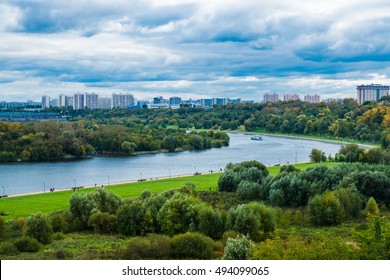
<point>81,206</point>
<point>103,222</point>
<point>238,248</point>
<point>228,181</point>
<point>133,219</point>
<point>211,222</point>
<point>17,226</point>
<point>317,156</point>
<point>350,201</point>
<point>178,214</point>
<point>251,171</point>
<point>8,248</point>
<point>39,227</point>
<point>229,234</point>
<point>371,207</point>
<point>27,244</point>
<point>63,221</point>
<point>152,246</point>
<point>145,194</point>
<point>298,218</point>
<point>58,236</point>
<point>248,190</point>
<point>192,245</point>
<point>253,219</point>
<point>325,210</point>
<point>2,226</point>
<point>62,254</point>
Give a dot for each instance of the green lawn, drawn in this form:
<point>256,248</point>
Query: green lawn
<point>317,137</point>
<point>23,206</point>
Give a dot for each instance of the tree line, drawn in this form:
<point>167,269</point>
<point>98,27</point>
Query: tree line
<point>53,140</point>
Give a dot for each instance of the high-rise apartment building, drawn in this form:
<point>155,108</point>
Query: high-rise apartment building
<point>270,97</point>
<point>312,98</point>
<point>91,100</point>
<point>104,103</point>
<point>79,101</point>
<point>122,100</point>
<point>371,92</point>
<point>291,97</point>
<point>45,101</point>
<point>69,101</point>
<point>174,101</point>
<point>62,100</point>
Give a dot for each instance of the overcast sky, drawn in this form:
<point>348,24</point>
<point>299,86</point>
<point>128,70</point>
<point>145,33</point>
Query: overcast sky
<point>192,48</point>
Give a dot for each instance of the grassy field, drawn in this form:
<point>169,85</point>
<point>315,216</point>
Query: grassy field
<point>23,206</point>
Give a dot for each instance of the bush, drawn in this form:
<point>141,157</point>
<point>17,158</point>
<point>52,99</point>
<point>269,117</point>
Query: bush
<point>251,171</point>
<point>228,181</point>
<point>17,226</point>
<point>152,247</point>
<point>103,223</point>
<point>238,248</point>
<point>211,222</point>
<point>248,190</point>
<point>253,219</point>
<point>192,245</point>
<point>371,207</point>
<point>178,214</point>
<point>63,221</point>
<point>27,244</point>
<point>145,194</point>
<point>81,206</point>
<point>317,156</point>
<point>39,227</point>
<point>350,201</point>
<point>58,236</point>
<point>8,248</point>
<point>325,210</point>
<point>297,218</point>
<point>2,226</point>
<point>62,254</point>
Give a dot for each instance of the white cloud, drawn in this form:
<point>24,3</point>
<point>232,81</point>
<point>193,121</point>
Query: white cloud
<point>9,17</point>
<point>215,48</point>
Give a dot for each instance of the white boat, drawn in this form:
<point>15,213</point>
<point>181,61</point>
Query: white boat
<point>257,138</point>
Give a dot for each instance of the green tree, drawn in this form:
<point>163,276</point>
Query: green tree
<point>211,222</point>
<point>238,248</point>
<point>350,200</point>
<point>371,207</point>
<point>130,217</point>
<point>253,219</point>
<point>103,223</point>
<point>178,214</point>
<point>192,245</point>
<point>317,156</point>
<point>38,226</point>
<point>325,209</point>
<point>248,190</point>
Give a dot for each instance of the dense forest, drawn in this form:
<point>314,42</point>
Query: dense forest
<point>253,215</point>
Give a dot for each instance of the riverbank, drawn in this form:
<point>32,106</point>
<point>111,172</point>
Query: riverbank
<point>310,138</point>
<point>17,206</point>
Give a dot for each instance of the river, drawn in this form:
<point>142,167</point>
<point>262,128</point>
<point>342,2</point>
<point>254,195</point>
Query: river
<point>18,178</point>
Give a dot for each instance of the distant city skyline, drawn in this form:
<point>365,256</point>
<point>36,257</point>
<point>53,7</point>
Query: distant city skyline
<point>192,48</point>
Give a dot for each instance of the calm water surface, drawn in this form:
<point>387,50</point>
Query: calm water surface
<point>20,178</point>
